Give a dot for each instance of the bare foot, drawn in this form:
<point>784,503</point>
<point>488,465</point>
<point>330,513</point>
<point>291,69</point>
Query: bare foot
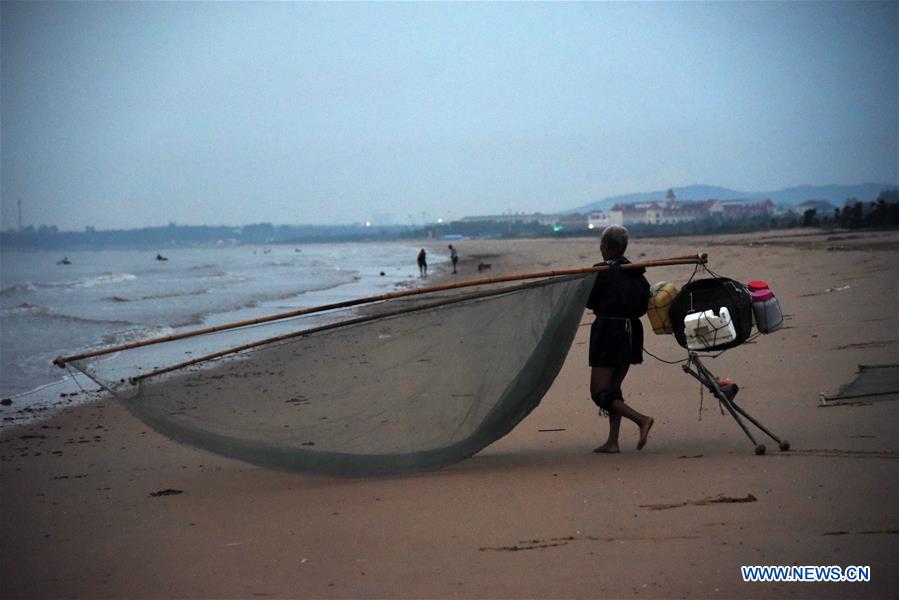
<point>644,432</point>
<point>607,448</point>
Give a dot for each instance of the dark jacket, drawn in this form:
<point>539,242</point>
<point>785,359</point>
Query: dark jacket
<point>619,293</point>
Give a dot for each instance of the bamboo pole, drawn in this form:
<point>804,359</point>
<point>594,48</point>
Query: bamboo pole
<point>678,260</point>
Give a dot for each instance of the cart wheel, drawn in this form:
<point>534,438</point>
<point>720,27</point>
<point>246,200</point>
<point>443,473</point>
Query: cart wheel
<point>785,445</point>
<point>760,449</point>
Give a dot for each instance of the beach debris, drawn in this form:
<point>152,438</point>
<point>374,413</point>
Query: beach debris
<point>836,452</point>
<point>6,402</point>
<point>865,345</point>
<point>517,548</point>
<point>872,532</point>
<point>720,499</point>
<point>541,544</point>
<point>166,492</point>
<point>838,289</point>
<point>550,430</point>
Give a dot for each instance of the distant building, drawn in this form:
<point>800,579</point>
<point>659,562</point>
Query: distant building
<point>629,214</point>
<point>674,211</point>
<point>670,211</point>
<point>542,219</point>
<point>598,220</point>
<point>572,222</point>
<point>569,222</point>
<point>741,209</point>
<point>821,207</point>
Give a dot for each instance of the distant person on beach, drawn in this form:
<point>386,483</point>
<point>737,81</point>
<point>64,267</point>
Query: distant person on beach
<point>618,299</point>
<point>454,256</point>
<point>423,263</point>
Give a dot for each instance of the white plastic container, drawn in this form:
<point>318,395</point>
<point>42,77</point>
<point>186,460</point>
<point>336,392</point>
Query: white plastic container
<point>706,330</point>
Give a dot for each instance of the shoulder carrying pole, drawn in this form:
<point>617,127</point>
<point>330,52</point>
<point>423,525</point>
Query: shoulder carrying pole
<point>697,259</point>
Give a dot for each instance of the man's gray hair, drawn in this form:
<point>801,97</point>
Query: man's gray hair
<point>615,237</point>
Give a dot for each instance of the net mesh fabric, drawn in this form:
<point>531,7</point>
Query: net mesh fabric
<point>872,383</point>
<point>401,393</point>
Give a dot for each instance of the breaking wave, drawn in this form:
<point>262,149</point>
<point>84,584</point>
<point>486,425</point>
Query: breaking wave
<point>280,263</point>
<point>26,309</point>
<point>87,282</point>
<point>18,288</point>
<point>103,279</point>
<point>136,334</point>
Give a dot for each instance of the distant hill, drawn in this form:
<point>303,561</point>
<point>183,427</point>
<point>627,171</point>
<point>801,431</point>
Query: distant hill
<point>836,194</point>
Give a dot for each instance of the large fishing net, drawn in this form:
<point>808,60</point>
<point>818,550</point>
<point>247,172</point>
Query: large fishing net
<point>402,387</point>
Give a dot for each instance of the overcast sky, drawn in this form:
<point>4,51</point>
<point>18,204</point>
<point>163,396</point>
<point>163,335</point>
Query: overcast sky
<point>139,114</point>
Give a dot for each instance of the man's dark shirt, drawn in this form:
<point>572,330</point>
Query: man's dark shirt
<point>619,293</point>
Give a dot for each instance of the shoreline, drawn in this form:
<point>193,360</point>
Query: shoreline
<point>536,514</point>
<point>47,398</point>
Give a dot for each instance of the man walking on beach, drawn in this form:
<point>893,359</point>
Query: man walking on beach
<point>454,256</point>
<point>618,299</point>
<point>423,263</point>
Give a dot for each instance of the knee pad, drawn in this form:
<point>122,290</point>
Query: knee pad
<point>604,398</point>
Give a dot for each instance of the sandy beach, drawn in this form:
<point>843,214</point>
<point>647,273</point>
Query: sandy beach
<point>95,504</point>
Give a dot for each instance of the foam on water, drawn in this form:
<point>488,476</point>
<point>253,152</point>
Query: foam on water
<point>104,279</point>
<point>110,297</point>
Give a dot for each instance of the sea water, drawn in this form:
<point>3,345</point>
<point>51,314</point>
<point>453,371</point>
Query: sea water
<point>110,297</point>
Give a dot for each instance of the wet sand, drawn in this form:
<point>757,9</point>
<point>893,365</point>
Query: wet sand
<point>95,504</point>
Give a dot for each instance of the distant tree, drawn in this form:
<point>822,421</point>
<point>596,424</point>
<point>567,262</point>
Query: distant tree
<point>856,215</point>
<point>789,220</point>
<point>846,216</point>
<point>884,212</point>
<point>808,217</point>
